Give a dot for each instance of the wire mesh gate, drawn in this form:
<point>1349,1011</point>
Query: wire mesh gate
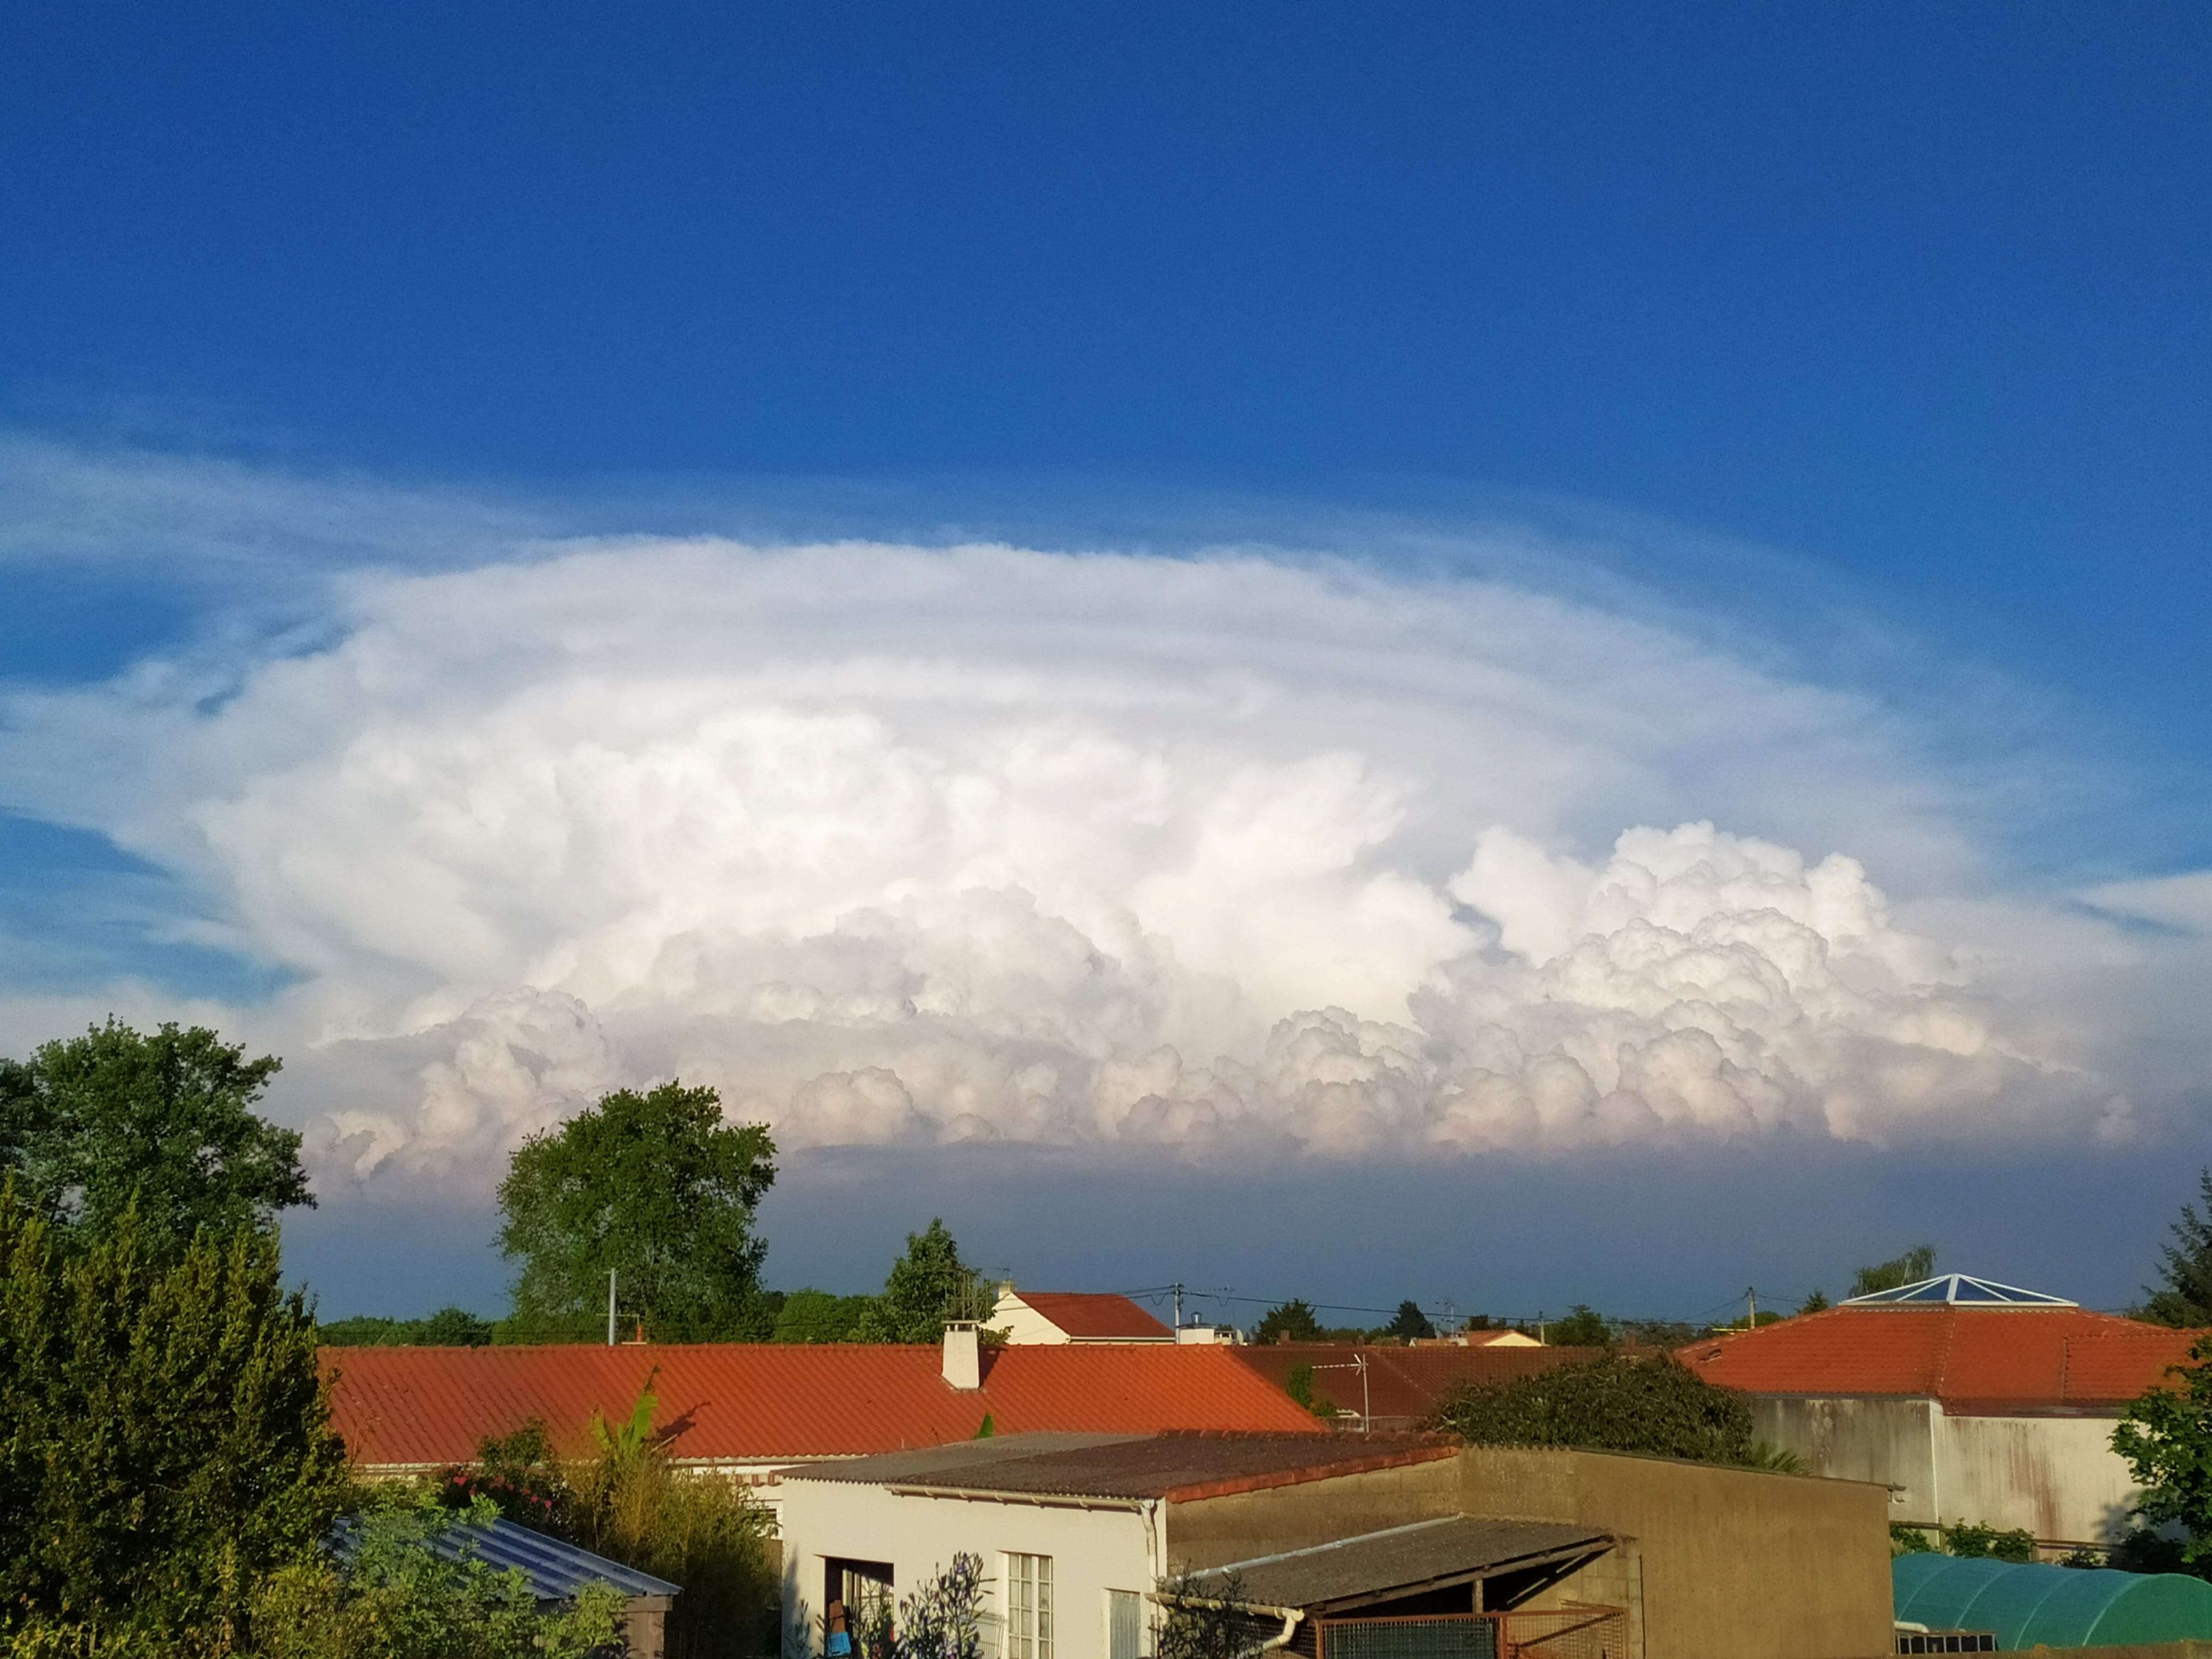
<point>1555,1633</point>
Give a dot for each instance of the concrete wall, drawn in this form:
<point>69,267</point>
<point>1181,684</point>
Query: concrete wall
<point>1890,1443</point>
<point>1093,1550</point>
<point>1715,1563</point>
<point>2057,1476</point>
<point>1732,1563</point>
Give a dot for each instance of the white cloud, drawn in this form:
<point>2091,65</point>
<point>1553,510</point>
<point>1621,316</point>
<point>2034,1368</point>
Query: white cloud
<point>2182,901</point>
<point>899,845</point>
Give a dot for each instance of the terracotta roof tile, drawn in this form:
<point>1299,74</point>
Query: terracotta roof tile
<point>1097,1316</point>
<point>740,1403</point>
<point>1988,1360</point>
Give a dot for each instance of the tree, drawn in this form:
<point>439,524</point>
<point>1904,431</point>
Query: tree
<point>1410,1324</point>
<point>927,1286</point>
<point>96,1123</point>
<point>1289,1321</point>
<point>654,1187</point>
<point>1583,1328</point>
<point>1915,1265</point>
<point>2184,1296</point>
<point>1657,1405</point>
<point>819,1316</point>
<point>164,1430</point>
<point>2165,1438</point>
<point>1816,1303</point>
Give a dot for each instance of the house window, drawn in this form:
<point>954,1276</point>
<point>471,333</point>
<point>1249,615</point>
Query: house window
<point>1029,1606</point>
<point>1125,1625</point>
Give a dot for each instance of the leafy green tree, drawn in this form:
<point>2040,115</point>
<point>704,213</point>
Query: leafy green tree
<point>1816,1303</point>
<point>164,1433</point>
<point>654,1187</point>
<point>1289,1321</point>
<point>1583,1328</point>
<point>454,1327</point>
<point>2165,1438</point>
<point>93,1124</point>
<point>2182,1297</point>
<point>1411,1324</point>
<point>819,1316</point>
<point>927,1286</point>
<point>1915,1265</point>
<point>1657,1405</point>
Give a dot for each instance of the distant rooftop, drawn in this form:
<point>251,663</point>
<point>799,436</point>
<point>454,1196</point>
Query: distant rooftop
<point>1094,1316</point>
<point>1959,1291</point>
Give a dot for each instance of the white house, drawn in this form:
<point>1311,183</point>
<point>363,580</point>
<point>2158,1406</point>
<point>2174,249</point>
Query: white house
<point>1042,1318</point>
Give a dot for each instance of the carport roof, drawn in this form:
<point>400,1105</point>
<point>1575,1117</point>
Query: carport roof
<point>1170,1466</point>
<point>1400,1561</point>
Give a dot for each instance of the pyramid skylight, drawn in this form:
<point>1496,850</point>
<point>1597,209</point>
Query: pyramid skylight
<point>1959,1291</point>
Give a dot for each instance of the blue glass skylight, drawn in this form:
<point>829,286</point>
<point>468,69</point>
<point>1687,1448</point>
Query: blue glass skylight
<point>1959,1289</point>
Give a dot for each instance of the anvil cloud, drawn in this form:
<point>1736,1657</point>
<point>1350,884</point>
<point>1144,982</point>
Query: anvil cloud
<point>1230,852</point>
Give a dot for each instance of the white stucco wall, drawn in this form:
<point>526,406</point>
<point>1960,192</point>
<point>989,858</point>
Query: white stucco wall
<point>1024,1325</point>
<point>2055,1475</point>
<point>1093,1550</point>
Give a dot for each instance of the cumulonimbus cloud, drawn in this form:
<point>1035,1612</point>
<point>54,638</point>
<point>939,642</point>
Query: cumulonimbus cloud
<point>894,844</point>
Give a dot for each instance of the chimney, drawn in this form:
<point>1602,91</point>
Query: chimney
<point>964,1356</point>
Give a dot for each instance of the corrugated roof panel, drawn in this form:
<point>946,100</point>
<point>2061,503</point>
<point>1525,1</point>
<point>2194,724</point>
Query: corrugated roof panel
<point>555,1569</point>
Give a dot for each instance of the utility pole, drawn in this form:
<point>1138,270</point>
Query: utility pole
<point>1751,1307</point>
<point>610,1307</point>
<point>1178,1290</point>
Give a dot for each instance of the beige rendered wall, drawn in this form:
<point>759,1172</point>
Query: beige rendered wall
<point>2057,1476</point>
<point>1733,1563</point>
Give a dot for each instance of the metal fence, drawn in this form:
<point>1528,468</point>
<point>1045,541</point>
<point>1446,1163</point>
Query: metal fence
<point>1555,1633</point>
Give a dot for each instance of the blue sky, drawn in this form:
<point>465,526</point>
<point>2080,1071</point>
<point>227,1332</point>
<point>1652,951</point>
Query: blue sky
<point>1859,351</point>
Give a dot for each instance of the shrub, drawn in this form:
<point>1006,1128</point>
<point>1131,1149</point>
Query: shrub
<point>397,1597</point>
<point>1620,1403</point>
<point>1981,1539</point>
<point>702,1532</point>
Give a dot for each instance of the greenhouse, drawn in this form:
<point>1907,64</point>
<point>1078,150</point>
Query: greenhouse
<point>2027,1603</point>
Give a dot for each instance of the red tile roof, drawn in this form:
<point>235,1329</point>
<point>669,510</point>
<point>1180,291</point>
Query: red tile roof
<point>730,1402</point>
<point>1403,1384</point>
<point>1988,1361</point>
<point>1094,1316</point>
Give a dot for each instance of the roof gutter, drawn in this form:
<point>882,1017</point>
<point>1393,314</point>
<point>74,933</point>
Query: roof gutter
<point>1043,1500</point>
<point>1281,1638</point>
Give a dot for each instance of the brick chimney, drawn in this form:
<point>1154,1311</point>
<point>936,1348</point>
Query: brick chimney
<point>963,1356</point>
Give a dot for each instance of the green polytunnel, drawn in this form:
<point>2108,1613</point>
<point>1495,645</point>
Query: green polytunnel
<point>2029,1603</point>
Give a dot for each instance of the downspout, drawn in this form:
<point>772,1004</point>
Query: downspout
<point>1282,1638</point>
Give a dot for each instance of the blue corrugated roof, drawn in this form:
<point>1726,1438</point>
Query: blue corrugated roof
<point>555,1570</point>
